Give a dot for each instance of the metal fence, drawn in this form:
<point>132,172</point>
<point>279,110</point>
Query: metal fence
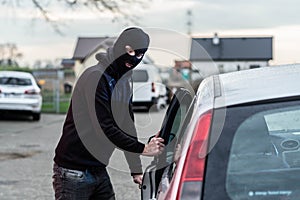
<point>56,90</point>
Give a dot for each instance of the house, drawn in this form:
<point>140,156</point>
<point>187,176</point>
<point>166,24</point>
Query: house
<point>67,63</point>
<point>226,54</point>
<point>86,49</point>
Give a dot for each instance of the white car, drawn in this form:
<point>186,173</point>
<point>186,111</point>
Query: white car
<point>148,89</point>
<point>19,92</point>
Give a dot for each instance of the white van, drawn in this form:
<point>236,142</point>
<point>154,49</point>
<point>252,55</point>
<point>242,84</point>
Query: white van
<point>148,89</point>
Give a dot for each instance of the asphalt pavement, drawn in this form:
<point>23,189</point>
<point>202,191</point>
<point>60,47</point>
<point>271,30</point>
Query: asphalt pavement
<point>27,150</point>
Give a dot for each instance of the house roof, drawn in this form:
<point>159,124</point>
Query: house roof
<point>228,49</point>
<point>67,61</point>
<point>87,45</point>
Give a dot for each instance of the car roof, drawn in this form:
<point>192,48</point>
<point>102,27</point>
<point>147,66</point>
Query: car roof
<point>15,74</point>
<point>258,84</point>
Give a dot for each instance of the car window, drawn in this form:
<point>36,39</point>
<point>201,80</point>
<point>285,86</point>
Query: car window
<point>175,120</point>
<point>180,133</point>
<point>173,149</point>
<point>15,81</point>
<point>140,76</point>
<point>258,153</point>
<point>281,122</point>
<point>171,126</point>
<point>265,145</point>
<point>175,130</point>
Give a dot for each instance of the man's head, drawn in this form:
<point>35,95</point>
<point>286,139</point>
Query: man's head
<point>129,48</point>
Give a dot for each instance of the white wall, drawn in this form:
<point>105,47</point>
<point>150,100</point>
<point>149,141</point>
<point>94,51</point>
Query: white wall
<point>88,62</point>
<point>209,68</point>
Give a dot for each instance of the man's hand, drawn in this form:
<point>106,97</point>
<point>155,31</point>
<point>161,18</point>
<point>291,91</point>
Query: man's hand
<point>138,179</point>
<point>154,147</point>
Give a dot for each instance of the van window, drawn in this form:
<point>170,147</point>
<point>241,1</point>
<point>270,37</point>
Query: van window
<point>258,153</point>
<point>140,76</point>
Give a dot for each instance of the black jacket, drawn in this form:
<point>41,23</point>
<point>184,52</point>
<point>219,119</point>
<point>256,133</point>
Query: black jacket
<point>99,119</point>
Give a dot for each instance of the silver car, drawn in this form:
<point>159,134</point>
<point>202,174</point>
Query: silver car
<point>19,92</point>
<point>237,138</point>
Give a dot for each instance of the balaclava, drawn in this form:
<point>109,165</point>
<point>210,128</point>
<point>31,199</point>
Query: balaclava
<point>135,38</point>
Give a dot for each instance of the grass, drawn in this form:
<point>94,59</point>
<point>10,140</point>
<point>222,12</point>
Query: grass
<point>51,108</point>
<point>15,68</point>
<point>49,104</point>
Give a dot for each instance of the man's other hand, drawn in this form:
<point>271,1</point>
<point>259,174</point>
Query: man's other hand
<point>138,179</point>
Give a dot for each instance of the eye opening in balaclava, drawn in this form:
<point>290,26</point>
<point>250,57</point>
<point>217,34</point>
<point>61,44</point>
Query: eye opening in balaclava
<point>139,53</point>
<point>138,40</point>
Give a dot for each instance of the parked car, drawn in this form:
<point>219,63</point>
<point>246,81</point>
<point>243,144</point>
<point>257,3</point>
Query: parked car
<point>19,92</point>
<point>237,138</point>
<point>148,89</point>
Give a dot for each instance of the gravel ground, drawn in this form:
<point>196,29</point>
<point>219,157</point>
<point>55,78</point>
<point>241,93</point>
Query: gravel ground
<point>26,152</point>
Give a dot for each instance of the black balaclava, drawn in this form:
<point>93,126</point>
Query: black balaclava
<point>135,38</point>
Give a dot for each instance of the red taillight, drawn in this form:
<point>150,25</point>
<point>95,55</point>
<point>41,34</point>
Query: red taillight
<point>31,92</point>
<point>152,87</point>
<point>193,170</point>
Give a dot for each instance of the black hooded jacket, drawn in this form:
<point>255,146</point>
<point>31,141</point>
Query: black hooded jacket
<point>99,119</point>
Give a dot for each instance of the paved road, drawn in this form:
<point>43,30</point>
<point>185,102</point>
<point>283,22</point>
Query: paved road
<point>26,152</point>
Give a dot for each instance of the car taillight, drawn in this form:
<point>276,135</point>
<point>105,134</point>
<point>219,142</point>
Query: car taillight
<point>31,92</point>
<point>152,87</point>
<point>193,171</point>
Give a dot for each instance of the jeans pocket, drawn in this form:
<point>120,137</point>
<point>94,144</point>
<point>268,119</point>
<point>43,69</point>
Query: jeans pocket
<point>72,174</point>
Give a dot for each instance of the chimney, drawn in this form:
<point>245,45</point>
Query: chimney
<point>216,39</point>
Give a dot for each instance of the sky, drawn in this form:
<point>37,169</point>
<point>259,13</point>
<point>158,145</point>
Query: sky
<point>36,39</point>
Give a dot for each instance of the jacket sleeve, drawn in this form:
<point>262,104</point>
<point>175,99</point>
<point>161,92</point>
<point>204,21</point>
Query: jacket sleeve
<point>106,120</point>
<point>133,160</point>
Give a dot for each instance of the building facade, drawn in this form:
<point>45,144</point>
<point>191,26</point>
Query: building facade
<point>221,55</point>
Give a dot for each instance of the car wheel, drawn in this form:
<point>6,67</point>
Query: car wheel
<point>36,116</point>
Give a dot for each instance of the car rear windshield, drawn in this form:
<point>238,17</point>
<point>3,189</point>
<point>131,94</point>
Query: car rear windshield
<point>257,155</point>
<point>15,81</point>
<point>140,76</point>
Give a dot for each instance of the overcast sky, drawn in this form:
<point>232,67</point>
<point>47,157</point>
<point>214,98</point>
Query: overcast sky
<point>37,39</point>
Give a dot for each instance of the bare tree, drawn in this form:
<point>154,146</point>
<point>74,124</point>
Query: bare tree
<point>117,8</point>
<point>9,52</point>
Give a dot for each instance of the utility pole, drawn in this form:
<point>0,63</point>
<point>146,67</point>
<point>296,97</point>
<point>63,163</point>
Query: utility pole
<point>189,22</point>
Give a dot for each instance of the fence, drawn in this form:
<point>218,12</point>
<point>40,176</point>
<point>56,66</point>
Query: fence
<point>56,90</point>
<point>55,99</point>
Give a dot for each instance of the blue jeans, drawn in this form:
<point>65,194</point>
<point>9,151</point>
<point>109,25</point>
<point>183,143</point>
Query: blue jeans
<point>81,185</point>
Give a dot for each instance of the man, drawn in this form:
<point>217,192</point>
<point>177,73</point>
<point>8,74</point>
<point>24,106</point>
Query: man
<point>100,119</point>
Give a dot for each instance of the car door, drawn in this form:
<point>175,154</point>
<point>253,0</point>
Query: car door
<point>169,132</point>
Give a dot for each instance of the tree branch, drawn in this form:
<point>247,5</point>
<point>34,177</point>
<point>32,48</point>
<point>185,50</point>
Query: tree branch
<point>47,17</point>
<point>118,8</point>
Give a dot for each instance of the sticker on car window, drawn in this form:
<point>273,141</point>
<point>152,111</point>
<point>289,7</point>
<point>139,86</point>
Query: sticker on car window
<point>270,193</point>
